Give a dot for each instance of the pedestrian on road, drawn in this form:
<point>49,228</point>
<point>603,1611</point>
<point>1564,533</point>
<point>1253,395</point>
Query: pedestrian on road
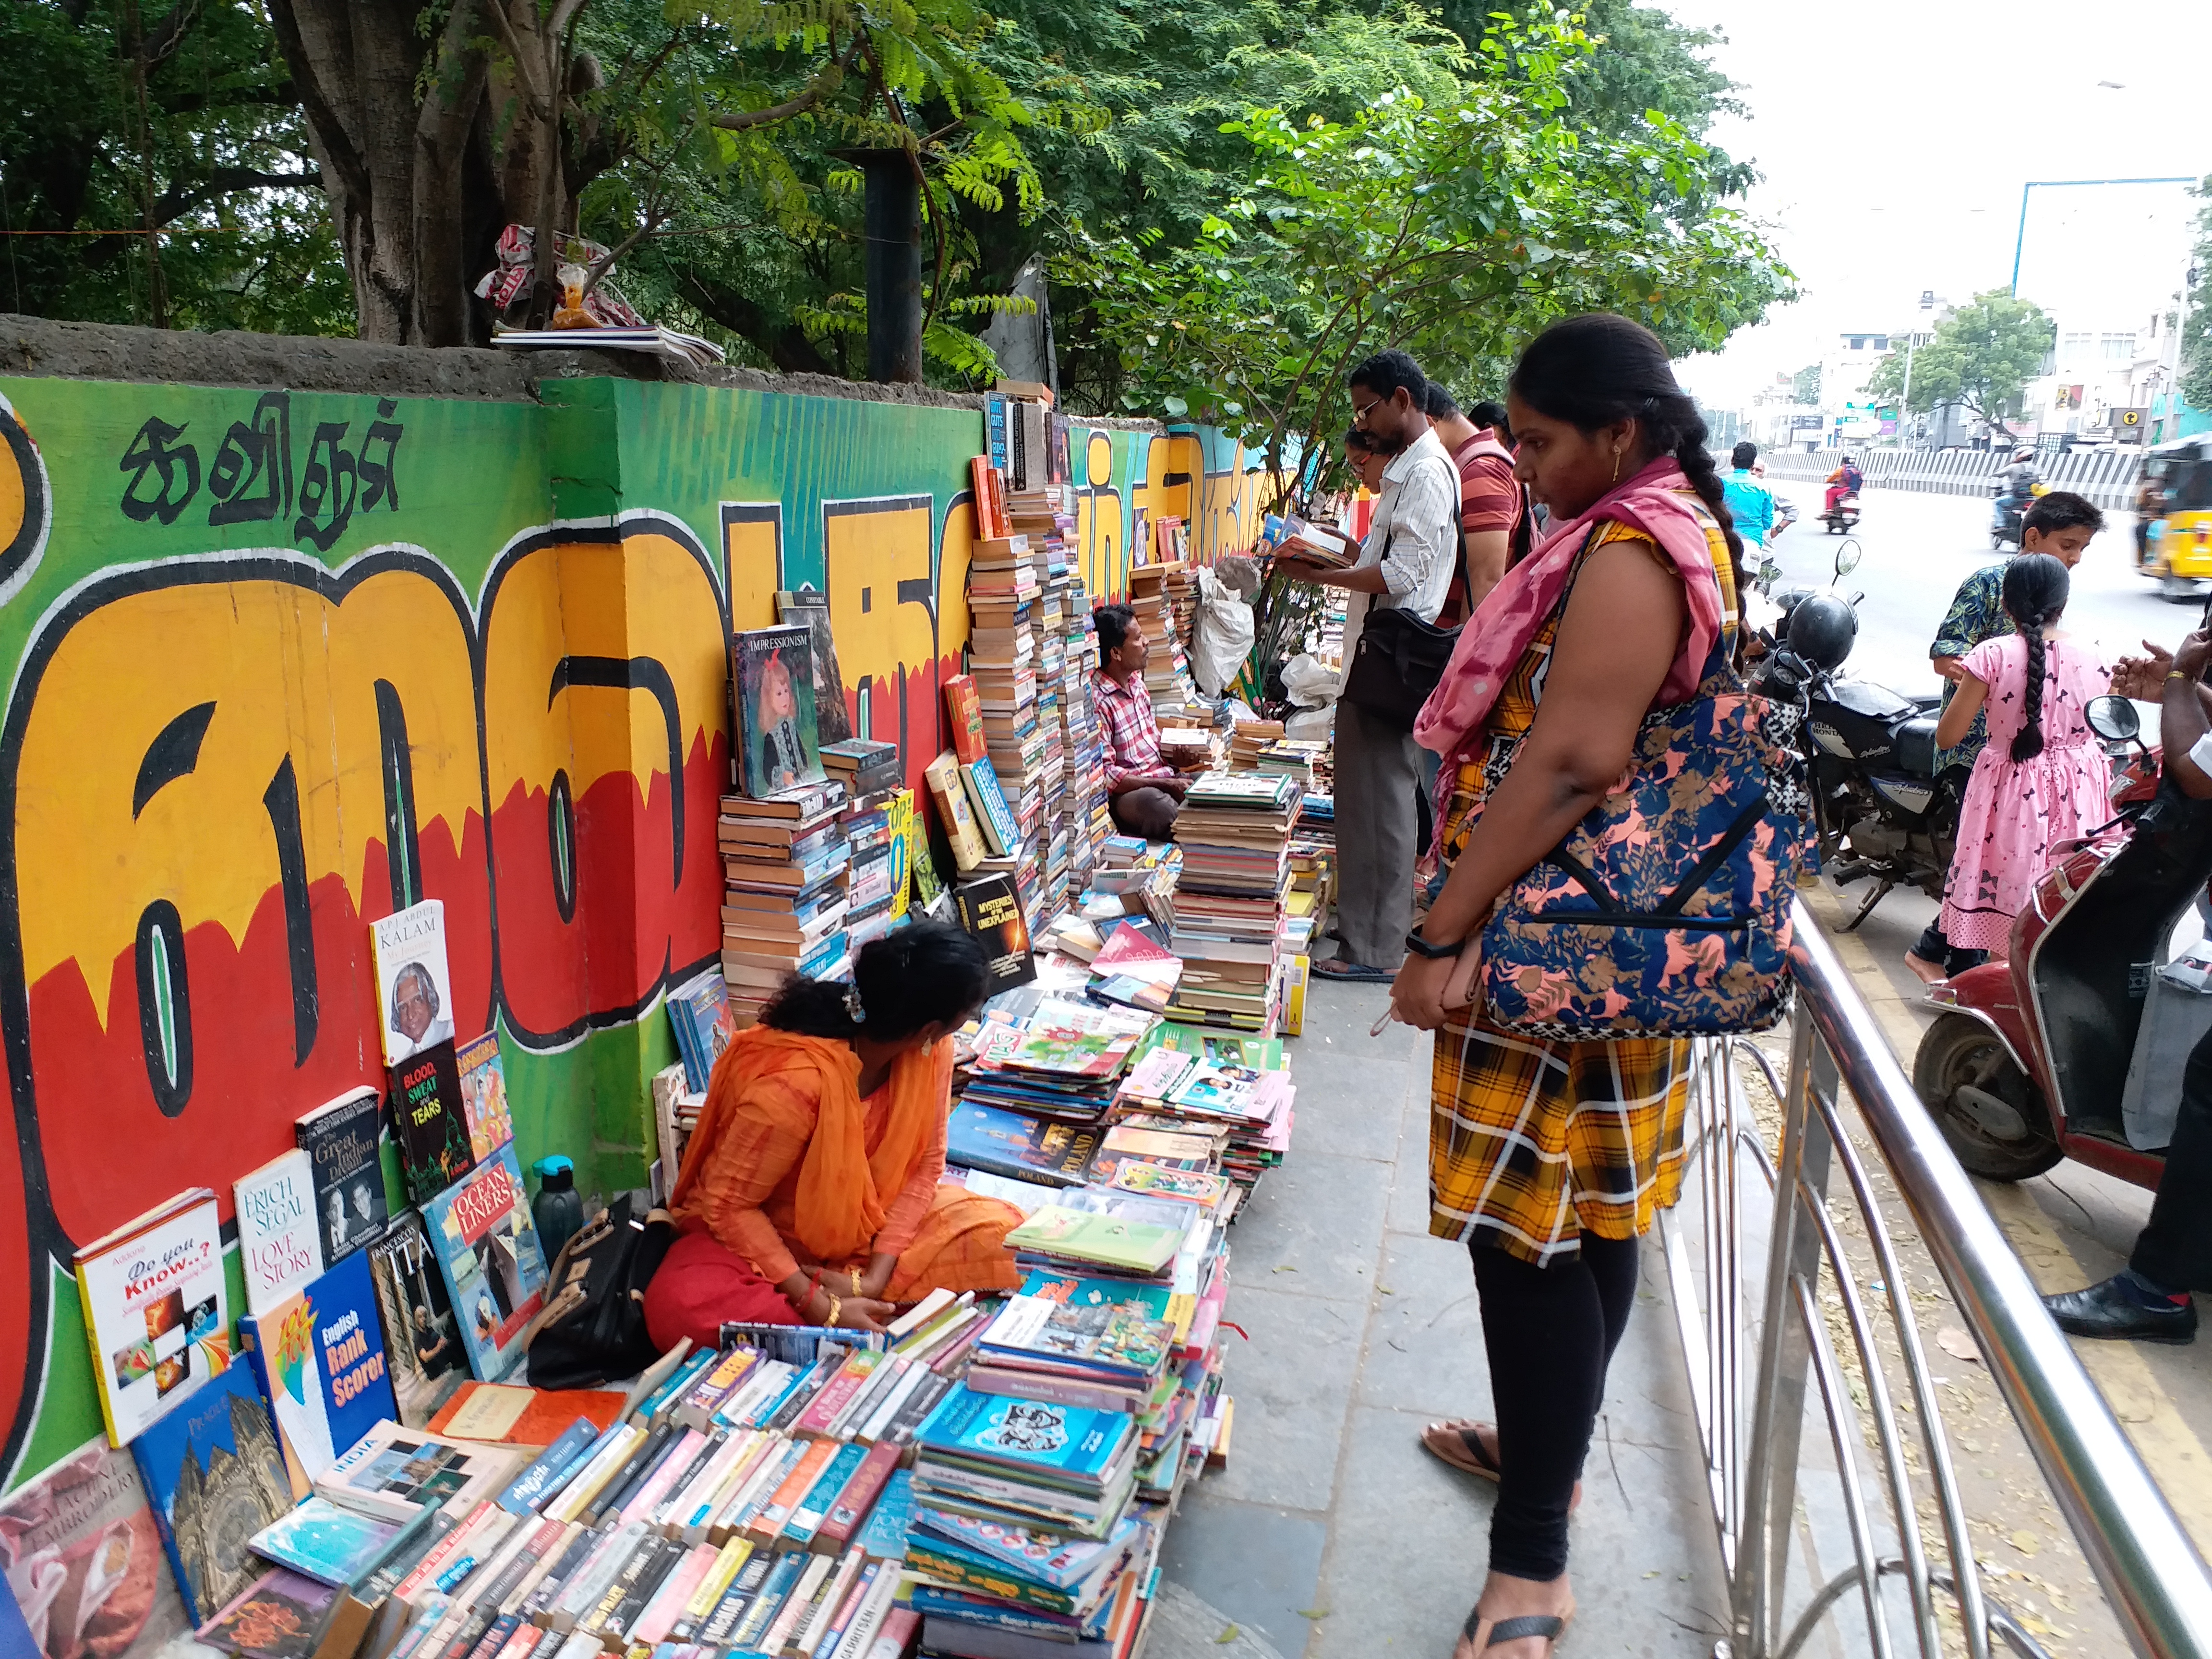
<point>2060,524</point>
<point>2041,779</point>
<point>1405,563</point>
<point>1549,1158</point>
<point>1750,502</point>
<point>2149,1300</point>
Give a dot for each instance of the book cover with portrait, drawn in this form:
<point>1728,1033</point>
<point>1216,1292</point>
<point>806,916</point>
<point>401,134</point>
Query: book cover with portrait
<point>772,670</point>
<point>413,987</point>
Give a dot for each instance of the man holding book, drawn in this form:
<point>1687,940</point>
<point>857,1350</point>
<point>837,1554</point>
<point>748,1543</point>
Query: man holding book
<point>1407,563</point>
<point>1144,793</point>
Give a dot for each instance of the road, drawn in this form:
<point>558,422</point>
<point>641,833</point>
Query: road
<point>2073,1226</point>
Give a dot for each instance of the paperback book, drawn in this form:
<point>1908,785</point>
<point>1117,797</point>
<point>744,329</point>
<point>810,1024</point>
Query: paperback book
<point>989,908</point>
<point>414,988</point>
<point>155,1311</point>
<point>1005,1143</point>
<point>282,1615</point>
<point>326,1542</point>
<point>770,668</point>
<point>488,1253</point>
<point>423,1351</point>
<point>810,609</point>
<point>430,1121</point>
<point>1106,1241</point>
<point>394,1473</point>
<point>484,1095</point>
<point>341,1141</point>
<point>215,1477</point>
<point>319,1358</point>
<point>280,1245</point>
<point>80,1552</point>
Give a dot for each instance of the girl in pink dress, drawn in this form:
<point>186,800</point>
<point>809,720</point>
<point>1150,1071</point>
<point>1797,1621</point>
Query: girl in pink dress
<point>2042,777</point>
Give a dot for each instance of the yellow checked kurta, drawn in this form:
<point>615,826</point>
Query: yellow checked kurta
<point>1532,1140</point>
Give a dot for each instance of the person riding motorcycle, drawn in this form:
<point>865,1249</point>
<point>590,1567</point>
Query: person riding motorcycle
<point>1844,481</point>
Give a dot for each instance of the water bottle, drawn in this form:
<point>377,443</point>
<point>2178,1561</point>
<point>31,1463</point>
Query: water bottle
<point>557,1212</point>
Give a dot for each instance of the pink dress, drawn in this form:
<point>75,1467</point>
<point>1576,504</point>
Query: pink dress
<point>2016,811</point>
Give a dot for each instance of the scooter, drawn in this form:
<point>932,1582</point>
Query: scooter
<point>1844,517</point>
<point>2007,512</point>
<point>1880,807</point>
<point>2050,1053</point>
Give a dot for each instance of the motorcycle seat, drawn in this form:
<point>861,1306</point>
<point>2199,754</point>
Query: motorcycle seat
<point>1915,746</point>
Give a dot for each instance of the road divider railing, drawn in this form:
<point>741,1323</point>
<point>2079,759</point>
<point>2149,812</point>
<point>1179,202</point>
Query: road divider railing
<point>1832,1486</point>
<point>2107,477</point>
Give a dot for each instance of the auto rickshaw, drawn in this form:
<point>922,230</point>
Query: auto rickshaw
<point>2175,548</point>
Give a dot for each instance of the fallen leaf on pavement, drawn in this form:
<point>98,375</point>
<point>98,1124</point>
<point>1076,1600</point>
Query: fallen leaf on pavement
<point>2026,1541</point>
<point>1228,1635</point>
<point>1956,1343</point>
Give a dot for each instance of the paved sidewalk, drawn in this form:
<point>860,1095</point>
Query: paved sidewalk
<point>1331,1532</point>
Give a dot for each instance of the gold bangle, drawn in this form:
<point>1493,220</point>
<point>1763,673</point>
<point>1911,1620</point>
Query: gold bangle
<point>835,1307</point>
<point>2176,674</point>
<point>855,1272</point>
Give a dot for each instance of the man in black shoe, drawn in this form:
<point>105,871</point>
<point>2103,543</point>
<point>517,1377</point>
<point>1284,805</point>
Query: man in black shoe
<point>2150,1300</point>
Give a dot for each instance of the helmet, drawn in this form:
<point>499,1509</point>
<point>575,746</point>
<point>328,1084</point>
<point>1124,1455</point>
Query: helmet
<point>1822,629</point>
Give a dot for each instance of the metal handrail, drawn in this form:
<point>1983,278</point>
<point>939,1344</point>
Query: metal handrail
<point>1757,1354</point>
<point>2152,1575</point>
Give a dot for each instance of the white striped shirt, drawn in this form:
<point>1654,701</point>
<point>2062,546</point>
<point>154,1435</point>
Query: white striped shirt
<point>1417,519</point>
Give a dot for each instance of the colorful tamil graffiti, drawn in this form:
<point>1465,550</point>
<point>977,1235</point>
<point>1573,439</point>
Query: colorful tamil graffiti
<point>285,662</point>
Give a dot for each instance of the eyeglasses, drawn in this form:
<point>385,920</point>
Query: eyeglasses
<point>1359,411</point>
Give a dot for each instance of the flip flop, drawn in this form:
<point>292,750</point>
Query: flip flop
<point>1479,1462</point>
<point>1549,1627</point>
<point>1358,972</point>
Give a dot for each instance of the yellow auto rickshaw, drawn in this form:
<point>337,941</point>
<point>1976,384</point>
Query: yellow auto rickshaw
<point>2173,540</point>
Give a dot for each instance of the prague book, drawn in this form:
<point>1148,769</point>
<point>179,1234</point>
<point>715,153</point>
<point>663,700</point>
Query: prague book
<point>280,1245</point>
<point>430,1121</point>
<point>414,989</point>
<point>155,1311</point>
<point>775,684</point>
<point>341,1141</point>
<point>214,1476</point>
<point>320,1360</point>
<point>488,1251</point>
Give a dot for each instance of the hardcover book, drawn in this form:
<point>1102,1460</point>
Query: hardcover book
<point>484,1095</point>
<point>80,1553</point>
<point>325,1543</point>
<point>215,1477</point>
<point>487,1249</point>
<point>990,908</point>
<point>964,712</point>
<point>414,989</point>
<point>1033,1436</point>
<point>423,1343</point>
<point>282,1615</point>
<point>341,1141</point>
<point>521,1416</point>
<point>155,1312</point>
<point>320,1360</point>
<point>1005,1143</point>
<point>280,1244</point>
<point>811,610</point>
<point>770,668</point>
<point>430,1121</point>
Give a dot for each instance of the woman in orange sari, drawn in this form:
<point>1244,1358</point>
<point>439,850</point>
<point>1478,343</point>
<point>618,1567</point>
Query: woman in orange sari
<point>810,1191</point>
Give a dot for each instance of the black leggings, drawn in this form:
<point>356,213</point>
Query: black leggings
<point>1550,1334</point>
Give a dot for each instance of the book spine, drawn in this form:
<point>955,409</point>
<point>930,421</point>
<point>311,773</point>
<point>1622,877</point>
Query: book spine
<point>852,1505</point>
<point>737,1515</point>
<point>714,1458</point>
<point>696,1510</point>
<point>713,1584</point>
<point>706,1396</point>
<point>651,1625</point>
<point>729,1612</point>
<point>830,1604</point>
<point>442,1554</point>
<point>627,1477</point>
<point>822,1411</point>
<point>578,1489</point>
<point>634,1587</point>
<point>773,1592</point>
<point>862,1405</point>
<point>832,1634</point>
<point>985,1580</point>
<point>798,1603</point>
<point>809,1513</point>
<point>677,1462</point>
<point>542,1479</point>
<point>860,1638</point>
<point>590,1584</point>
<point>770,1520</point>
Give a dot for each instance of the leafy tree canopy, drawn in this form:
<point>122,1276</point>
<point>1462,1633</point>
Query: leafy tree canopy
<point>1805,384</point>
<point>2196,319</point>
<point>1983,356</point>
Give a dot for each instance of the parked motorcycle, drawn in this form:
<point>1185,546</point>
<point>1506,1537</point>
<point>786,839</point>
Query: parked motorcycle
<point>1881,809</point>
<point>1844,517</point>
<point>2054,1052</point>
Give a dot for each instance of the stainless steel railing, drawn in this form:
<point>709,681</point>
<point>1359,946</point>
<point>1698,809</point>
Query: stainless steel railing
<point>1754,1336</point>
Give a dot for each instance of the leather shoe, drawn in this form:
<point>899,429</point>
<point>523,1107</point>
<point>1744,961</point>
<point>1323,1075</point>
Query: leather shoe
<point>2113,1310</point>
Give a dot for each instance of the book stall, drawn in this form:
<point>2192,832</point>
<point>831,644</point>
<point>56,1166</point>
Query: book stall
<point>354,1464</point>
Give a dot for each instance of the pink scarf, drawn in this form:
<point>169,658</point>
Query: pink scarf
<point>1514,613</point>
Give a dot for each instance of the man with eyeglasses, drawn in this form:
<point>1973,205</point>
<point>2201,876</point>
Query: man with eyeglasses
<point>1407,561</point>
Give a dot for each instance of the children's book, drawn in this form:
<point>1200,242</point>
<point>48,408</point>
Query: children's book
<point>326,1542</point>
<point>771,669</point>
<point>488,1251</point>
<point>394,1473</point>
<point>964,712</point>
<point>1234,1092</point>
<point>990,908</point>
<point>1068,1443</point>
<point>810,610</point>
<point>341,1139</point>
<point>1074,1039</point>
<point>1159,1181</point>
<point>155,1312</point>
<point>1001,835</point>
<point>423,1343</point>
<point>699,1010</point>
<point>1129,950</point>
<point>957,817</point>
<point>430,1121</point>
<point>414,988</point>
<point>484,1095</point>
<point>79,1548</point>
<point>1106,1241</point>
<point>215,1477</point>
<point>280,1243</point>
<point>1153,1301</point>
<point>282,1615</point>
<point>319,1358</point>
<point>979,1137</point>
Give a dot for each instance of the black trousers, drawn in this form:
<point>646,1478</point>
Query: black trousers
<point>1550,1334</point>
<point>2175,1249</point>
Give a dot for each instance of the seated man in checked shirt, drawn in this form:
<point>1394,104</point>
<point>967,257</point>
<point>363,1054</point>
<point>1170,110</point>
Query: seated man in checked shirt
<point>1142,790</point>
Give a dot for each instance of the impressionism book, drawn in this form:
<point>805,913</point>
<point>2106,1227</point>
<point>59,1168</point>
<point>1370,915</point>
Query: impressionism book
<point>430,1121</point>
<point>488,1251</point>
<point>320,1359</point>
<point>328,1543</point>
<point>280,1242</point>
<point>215,1477</point>
<point>155,1310</point>
<point>811,610</point>
<point>341,1141</point>
<point>423,1343</point>
<point>770,669</point>
<point>82,1556</point>
<point>484,1095</point>
<point>414,988</point>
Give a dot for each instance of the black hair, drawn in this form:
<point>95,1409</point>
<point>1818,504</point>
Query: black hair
<point>1492,414</point>
<point>2062,509</point>
<point>1386,370</point>
<point>926,973</point>
<point>1359,437</point>
<point>1743,454</point>
<point>1113,623</point>
<point>1439,404</point>
<point>2034,594</point>
<point>1592,370</point>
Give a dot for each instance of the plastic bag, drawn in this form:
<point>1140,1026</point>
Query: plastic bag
<point>1222,637</point>
<point>1312,722</point>
<point>1308,682</point>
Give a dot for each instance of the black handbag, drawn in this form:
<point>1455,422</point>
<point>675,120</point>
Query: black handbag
<point>1396,663</point>
<point>593,1327</point>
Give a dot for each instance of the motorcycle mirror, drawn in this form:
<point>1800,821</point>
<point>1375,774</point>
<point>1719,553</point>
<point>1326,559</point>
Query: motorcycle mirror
<point>2113,719</point>
<point>1847,558</point>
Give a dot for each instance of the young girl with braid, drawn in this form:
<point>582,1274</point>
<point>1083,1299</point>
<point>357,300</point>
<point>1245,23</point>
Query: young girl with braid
<point>2042,777</point>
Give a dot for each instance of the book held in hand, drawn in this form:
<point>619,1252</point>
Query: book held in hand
<point>155,1311</point>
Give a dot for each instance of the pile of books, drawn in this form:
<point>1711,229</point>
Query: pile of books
<point>1065,1062</point>
<point>1089,820</point>
<point>1235,1088</point>
<point>1230,900</point>
<point>785,900</point>
<point>1165,598</point>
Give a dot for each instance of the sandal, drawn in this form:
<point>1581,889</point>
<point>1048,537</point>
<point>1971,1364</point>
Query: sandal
<point>1337,967</point>
<point>1465,1437</point>
<point>1550,1627</point>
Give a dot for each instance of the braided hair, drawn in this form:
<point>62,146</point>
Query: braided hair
<point>2034,594</point>
<point>1593,370</point>
<point>926,973</point>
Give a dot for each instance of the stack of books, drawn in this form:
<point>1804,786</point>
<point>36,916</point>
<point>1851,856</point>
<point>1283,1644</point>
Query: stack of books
<point>1248,739</point>
<point>1089,818</point>
<point>876,886</point>
<point>1240,1093</point>
<point>1065,1062</point>
<point>1164,597</point>
<point>784,899</point>
<point>866,766</point>
<point>1230,898</point>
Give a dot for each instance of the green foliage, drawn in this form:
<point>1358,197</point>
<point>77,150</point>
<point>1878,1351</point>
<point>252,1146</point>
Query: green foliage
<point>1982,358</point>
<point>1805,384</point>
<point>2196,311</point>
<point>220,156</point>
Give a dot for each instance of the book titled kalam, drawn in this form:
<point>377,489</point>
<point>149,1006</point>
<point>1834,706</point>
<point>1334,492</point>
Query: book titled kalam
<point>489,1255</point>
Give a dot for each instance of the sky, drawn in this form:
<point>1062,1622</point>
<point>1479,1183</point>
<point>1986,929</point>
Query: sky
<point>1895,136</point>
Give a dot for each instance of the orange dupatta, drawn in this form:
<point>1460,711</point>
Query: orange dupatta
<point>843,1189</point>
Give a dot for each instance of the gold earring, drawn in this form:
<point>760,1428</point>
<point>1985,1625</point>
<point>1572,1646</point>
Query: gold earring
<point>1616,463</point>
